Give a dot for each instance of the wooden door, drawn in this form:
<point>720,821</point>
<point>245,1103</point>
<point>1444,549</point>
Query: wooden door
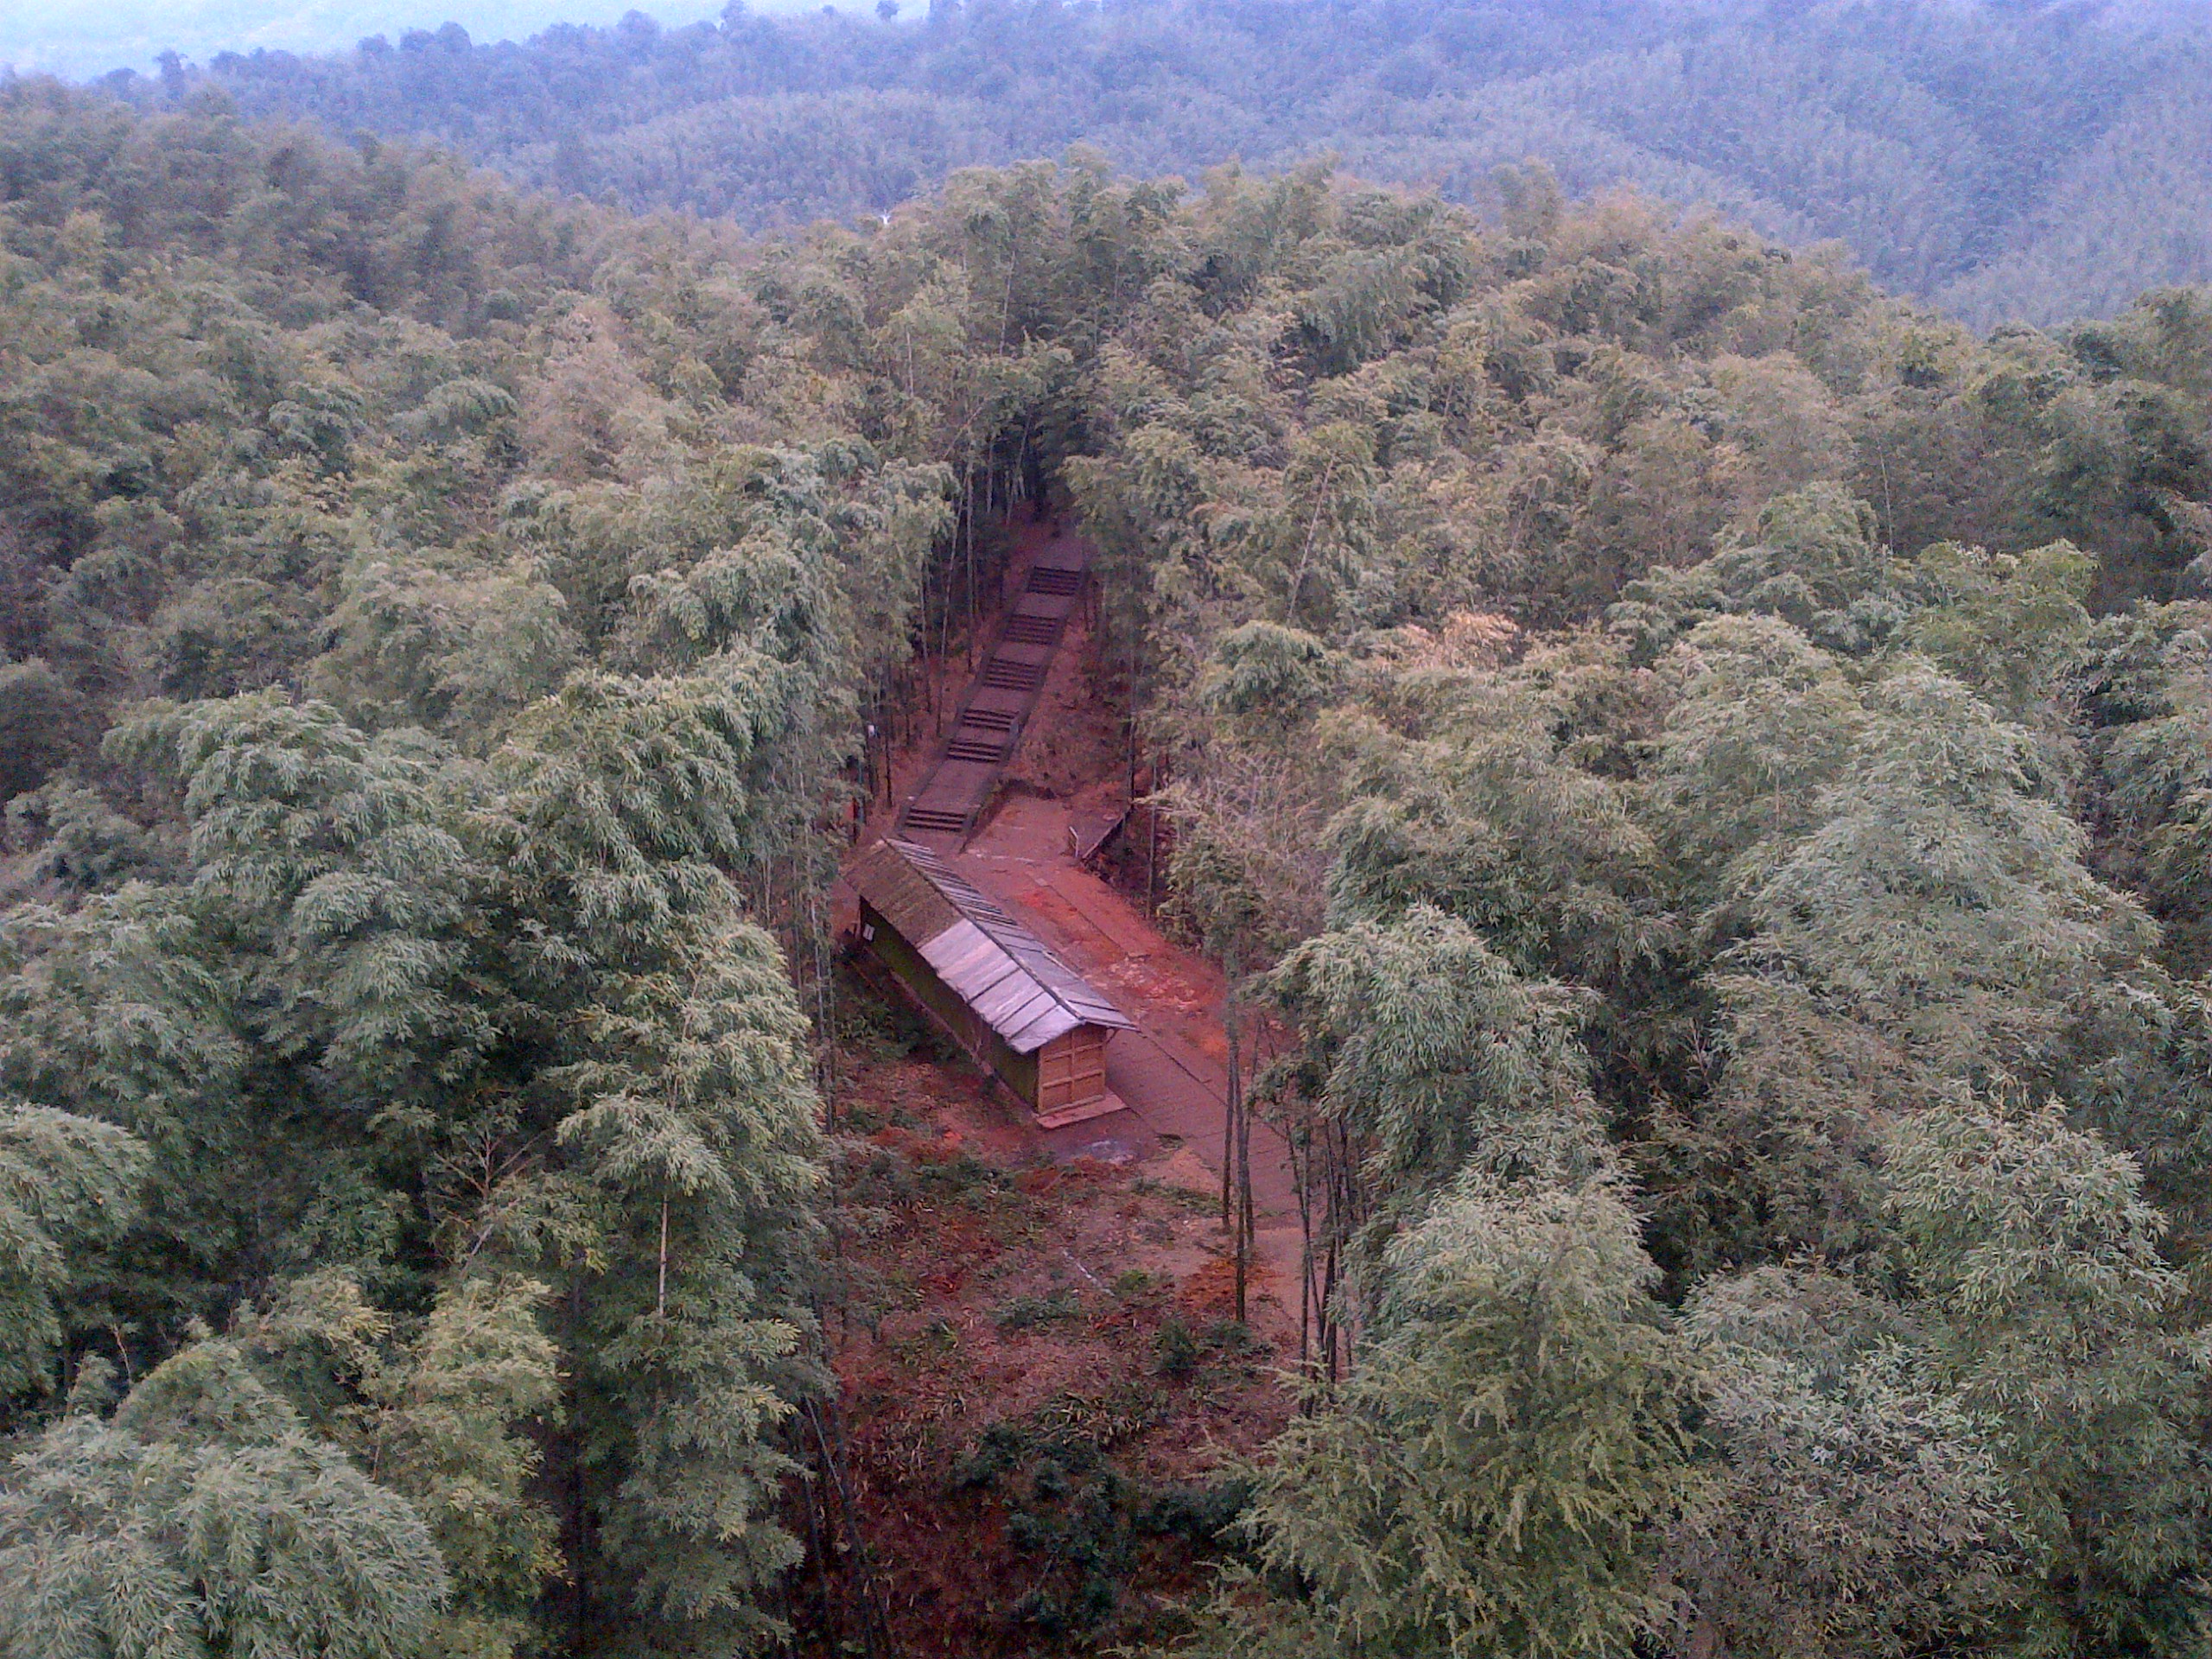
<point>1072,1069</point>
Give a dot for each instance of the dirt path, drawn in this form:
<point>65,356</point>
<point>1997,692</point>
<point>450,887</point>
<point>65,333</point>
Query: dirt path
<point>1171,1071</point>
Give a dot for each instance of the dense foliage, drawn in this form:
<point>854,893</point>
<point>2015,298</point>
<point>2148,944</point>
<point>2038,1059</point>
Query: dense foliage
<point>1678,735</point>
<point>1701,771</point>
<point>2035,161</point>
<point>424,692</point>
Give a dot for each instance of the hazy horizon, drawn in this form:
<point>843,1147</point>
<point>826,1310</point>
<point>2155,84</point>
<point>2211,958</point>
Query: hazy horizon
<point>57,37</point>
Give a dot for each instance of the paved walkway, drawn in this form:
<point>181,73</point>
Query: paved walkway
<point>1171,1071</point>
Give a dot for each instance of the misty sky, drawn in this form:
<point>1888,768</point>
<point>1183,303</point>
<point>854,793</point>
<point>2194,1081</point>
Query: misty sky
<point>81,38</point>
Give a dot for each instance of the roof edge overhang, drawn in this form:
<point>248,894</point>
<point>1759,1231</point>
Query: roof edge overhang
<point>1015,983</point>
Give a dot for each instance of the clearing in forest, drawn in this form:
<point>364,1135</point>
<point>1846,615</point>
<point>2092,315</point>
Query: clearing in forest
<point>1061,773</point>
<point>1042,1373</point>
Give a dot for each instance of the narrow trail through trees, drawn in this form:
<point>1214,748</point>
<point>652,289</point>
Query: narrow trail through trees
<point>1172,1073</point>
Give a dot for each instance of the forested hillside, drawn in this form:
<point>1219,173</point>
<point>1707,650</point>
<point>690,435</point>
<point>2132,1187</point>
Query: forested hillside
<point>2033,161</point>
<point>1702,774</point>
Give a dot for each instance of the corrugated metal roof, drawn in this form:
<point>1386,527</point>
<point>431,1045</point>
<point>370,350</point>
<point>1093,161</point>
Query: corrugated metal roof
<point>996,964</point>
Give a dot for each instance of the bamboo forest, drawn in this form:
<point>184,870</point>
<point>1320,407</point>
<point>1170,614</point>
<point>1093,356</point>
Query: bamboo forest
<point>1282,908</point>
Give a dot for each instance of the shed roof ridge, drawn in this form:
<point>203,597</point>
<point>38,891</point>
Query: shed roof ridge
<point>1056,978</point>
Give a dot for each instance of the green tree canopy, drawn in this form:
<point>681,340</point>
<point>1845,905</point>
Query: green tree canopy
<point>204,1519</point>
<point>1496,1476</point>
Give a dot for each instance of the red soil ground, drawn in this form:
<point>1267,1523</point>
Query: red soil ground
<point>1041,1382</point>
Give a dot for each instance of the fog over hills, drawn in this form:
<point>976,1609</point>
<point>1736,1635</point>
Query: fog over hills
<point>68,37</point>
<point>2014,161</point>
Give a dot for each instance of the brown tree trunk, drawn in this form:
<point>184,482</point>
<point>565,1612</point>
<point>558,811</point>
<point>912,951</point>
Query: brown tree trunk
<point>1234,1154</point>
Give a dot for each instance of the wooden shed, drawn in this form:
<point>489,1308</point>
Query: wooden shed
<point>997,987</point>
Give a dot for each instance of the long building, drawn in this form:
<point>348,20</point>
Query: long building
<point>995,985</point>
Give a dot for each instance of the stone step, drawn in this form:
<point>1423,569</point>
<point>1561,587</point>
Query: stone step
<point>1052,581</point>
<point>929,818</point>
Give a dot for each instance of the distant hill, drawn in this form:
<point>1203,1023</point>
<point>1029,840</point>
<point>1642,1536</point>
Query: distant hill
<point>2008,160</point>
